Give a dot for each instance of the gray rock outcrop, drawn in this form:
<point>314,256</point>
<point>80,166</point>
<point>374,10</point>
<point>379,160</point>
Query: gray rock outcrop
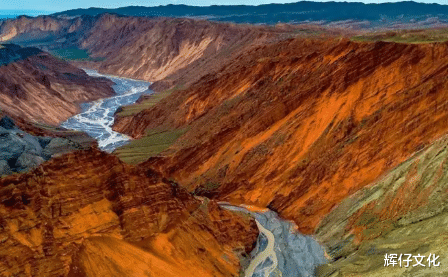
<point>28,161</point>
<point>20,151</point>
<point>4,168</point>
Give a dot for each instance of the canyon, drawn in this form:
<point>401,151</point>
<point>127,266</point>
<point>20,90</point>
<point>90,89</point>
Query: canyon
<point>300,125</point>
<point>345,138</point>
<point>171,52</point>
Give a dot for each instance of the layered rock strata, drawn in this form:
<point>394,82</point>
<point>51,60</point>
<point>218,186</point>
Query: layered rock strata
<point>88,214</point>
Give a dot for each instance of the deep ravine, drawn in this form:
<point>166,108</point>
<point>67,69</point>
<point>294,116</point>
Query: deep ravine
<point>280,249</point>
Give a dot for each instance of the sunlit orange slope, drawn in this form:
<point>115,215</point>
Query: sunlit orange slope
<point>301,124</point>
<point>88,214</point>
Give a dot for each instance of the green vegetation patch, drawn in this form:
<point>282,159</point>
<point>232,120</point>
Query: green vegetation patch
<point>155,142</point>
<point>206,188</point>
<point>406,36</point>
<point>147,103</point>
<point>425,237</point>
<point>36,39</point>
<point>73,54</point>
<point>143,105</point>
<point>405,211</point>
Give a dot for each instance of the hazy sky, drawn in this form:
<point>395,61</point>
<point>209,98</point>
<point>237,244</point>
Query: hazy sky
<point>60,5</point>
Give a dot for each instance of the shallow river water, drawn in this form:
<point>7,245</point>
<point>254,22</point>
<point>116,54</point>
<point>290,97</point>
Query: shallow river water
<point>97,117</point>
<point>280,249</point>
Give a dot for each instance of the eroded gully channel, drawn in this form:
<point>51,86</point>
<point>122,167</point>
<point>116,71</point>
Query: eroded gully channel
<point>280,250</point>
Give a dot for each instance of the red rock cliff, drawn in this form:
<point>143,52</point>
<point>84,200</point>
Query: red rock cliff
<point>88,214</point>
<point>301,124</point>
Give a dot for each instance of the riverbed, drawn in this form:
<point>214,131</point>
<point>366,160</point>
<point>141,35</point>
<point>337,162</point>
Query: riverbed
<point>97,117</point>
<point>280,249</point>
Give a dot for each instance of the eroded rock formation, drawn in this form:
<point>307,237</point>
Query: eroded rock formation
<point>300,125</point>
<point>168,51</point>
<point>88,214</point>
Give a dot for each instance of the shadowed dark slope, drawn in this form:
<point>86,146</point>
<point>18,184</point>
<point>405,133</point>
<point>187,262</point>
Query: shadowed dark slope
<point>38,87</point>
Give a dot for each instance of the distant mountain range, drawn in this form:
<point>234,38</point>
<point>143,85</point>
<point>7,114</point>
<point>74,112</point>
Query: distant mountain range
<point>288,13</point>
<point>14,13</point>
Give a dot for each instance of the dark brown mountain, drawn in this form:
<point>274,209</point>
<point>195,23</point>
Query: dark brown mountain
<point>168,51</point>
<point>38,87</point>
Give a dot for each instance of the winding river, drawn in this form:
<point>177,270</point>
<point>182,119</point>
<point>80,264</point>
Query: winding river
<point>280,250</point>
<point>96,118</point>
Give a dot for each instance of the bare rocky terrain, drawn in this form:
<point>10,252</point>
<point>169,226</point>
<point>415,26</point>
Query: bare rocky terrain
<point>41,88</point>
<point>342,135</point>
<point>56,220</point>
